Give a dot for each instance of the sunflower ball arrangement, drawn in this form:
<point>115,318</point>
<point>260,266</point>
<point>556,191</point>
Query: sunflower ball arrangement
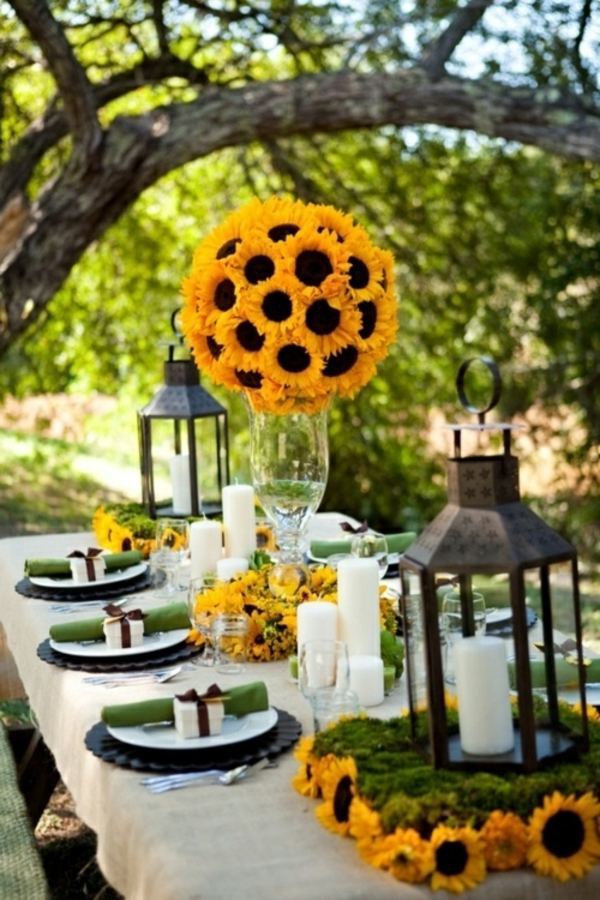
<point>289,303</point>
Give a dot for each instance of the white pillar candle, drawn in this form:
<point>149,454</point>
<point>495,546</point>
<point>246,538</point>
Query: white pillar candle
<point>316,621</point>
<point>230,566</point>
<point>239,520</point>
<point>366,679</point>
<point>206,547</point>
<point>180,484</point>
<point>358,606</point>
<point>484,713</point>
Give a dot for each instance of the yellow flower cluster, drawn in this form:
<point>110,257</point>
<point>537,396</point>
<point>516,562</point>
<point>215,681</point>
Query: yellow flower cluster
<point>272,620</point>
<point>290,303</point>
<point>561,838</point>
<point>116,536</point>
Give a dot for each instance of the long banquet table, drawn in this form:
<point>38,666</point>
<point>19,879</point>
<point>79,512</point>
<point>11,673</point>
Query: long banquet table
<point>256,839</point>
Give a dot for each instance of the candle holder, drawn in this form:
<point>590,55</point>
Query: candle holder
<point>183,402</point>
<point>485,540</point>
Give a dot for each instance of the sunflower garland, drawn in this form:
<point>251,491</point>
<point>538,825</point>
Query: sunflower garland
<point>272,620</point>
<point>290,303</point>
<point>450,828</point>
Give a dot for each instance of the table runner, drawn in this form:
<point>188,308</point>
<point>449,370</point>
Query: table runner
<point>257,839</point>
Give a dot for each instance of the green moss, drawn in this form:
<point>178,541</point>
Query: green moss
<point>395,775</point>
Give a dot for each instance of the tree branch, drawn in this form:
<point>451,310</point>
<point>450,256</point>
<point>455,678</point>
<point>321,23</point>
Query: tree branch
<point>78,207</point>
<point>73,85</point>
<point>438,53</point>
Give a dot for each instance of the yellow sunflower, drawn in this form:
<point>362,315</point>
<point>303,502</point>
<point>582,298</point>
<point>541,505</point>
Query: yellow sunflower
<point>338,786</point>
<point>330,219</point>
<point>294,367</point>
<point>329,320</point>
<point>563,836</point>
<point>306,780</point>
<point>404,853</point>
<point>275,305</point>
<point>459,861</point>
<point>312,257</point>
<point>504,837</point>
<point>281,217</point>
<point>348,370</point>
<point>256,259</point>
<point>221,243</point>
<point>244,345</point>
<point>365,267</point>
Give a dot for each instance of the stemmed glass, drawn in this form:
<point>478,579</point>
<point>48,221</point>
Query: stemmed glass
<point>452,626</point>
<point>371,544</point>
<point>172,543</point>
<point>200,617</point>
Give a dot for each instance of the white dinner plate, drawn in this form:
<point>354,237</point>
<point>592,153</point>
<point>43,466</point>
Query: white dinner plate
<point>162,640</point>
<point>165,737</point>
<point>108,578</point>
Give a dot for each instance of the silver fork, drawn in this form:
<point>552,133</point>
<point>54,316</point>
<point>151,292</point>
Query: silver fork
<point>159,677</point>
<point>160,784</point>
<point>84,605</point>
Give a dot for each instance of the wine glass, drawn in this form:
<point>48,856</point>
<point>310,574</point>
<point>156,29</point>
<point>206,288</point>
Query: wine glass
<point>172,543</point>
<point>452,626</point>
<point>201,617</point>
<point>371,544</point>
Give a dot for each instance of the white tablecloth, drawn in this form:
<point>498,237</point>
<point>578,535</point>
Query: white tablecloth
<point>256,839</point>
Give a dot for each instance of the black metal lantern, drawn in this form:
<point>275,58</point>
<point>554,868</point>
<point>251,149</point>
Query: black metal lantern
<point>185,402</point>
<point>485,541</point>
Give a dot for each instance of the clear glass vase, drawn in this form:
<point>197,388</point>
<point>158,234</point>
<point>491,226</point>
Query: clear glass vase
<point>289,459</point>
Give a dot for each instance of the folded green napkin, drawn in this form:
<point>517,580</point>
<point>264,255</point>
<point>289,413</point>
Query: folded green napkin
<point>52,567</point>
<point>241,700</point>
<point>397,543</point>
<point>163,618</point>
<point>566,674</point>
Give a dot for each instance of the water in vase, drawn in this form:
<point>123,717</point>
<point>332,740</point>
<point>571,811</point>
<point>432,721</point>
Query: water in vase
<point>290,503</point>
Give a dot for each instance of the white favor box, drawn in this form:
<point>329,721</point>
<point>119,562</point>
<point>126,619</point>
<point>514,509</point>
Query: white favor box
<point>186,718</point>
<point>79,568</point>
<point>113,635</point>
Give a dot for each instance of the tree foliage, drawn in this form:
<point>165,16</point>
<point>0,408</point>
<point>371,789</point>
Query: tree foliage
<point>464,137</point>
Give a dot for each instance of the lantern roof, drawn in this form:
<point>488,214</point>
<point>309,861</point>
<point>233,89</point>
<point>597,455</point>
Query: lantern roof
<point>182,396</point>
<point>473,540</point>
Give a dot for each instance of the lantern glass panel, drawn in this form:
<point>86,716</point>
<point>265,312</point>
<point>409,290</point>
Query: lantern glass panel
<point>166,444</point>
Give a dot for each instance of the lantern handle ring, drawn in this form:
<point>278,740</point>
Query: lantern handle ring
<point>491,366</point>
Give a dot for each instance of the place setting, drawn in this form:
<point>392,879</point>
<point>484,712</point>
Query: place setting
<point>214,729</point>
<point>85,575</point>
<point>121,640</point>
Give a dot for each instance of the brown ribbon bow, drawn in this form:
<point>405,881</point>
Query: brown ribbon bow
<point>90,555</point>
<point>213,694</point>
<point>117,614</point>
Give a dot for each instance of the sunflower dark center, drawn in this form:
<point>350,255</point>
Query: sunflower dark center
<point>341,362</point>
<point>228,248</point>
<point>225,294</point>
<point>277,306</point>
<point>359,273</point>
<point>368,311</point>
<point>308,771</point>
<point>451,858</point>
<point>313,267</point>
<point>293,358</point>
<point>126,544</point>
<point>342,799</point>
<point>214,347</point>
<point>259,268</point>
<point>250,379</point>
<point>280,232</point>
<point>248,336</point>
<point>402,857</point>
<point>563,834</point>
<point>322,318</point>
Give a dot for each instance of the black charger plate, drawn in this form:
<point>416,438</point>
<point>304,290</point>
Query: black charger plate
<point>26,588</point>
<point>281,737</point>
<point>141,661</point>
